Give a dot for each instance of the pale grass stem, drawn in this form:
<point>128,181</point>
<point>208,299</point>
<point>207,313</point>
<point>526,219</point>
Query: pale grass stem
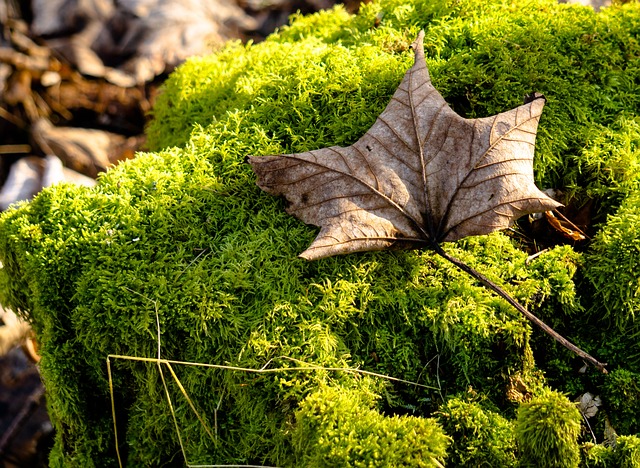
<point>303,366</point>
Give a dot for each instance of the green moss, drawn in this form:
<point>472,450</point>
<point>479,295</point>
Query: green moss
<point>547,430</point>
<point>608,168</point>
<point>337,427</point>
<point>483,57</point>
<point>627,452</point>
<point>555,297</point>
<point>624,454</point>
<point>182,237</point>
<point>303,94</point>
<point>405,314</point>
<point>481,437</point>
<point>613,263</point>
<point>622,396</point>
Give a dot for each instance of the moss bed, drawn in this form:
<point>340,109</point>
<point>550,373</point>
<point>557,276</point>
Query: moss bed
<point>182,238</point>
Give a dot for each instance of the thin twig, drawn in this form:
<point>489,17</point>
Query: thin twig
<point>13,149</point>
<point>191,404</point>
<point>532,318</point>
<point>263,370</point>
<point>173,413</point>
<point>593,436</point>
<point>535,255</point>
<point>192,261</point>
<point>113,411</point>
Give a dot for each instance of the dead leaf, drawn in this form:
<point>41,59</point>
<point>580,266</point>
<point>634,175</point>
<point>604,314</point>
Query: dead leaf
<point>64,17</point>
<point>588,404</point>
<point>28,175</point>
<point>421,175</point>
<point>13,330</point>
<point>610,435</point>
<point>23,182</point>
<point>85,150</point>
<point>158,35</point>
<point>565,227</point>
<point>517,389</point>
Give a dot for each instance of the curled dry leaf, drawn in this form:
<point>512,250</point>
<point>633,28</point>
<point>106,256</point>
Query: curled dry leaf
<point>421,175</point>
<point>588,404</point>
<point>88,151</point>
<point>565,227</point>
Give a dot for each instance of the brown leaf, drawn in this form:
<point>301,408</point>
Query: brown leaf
<point>158,35</point>
<point>28,175</point>
<point>85,150</point>
<point>565,227</point>
<point>421,174</point>
<point>588,404</point>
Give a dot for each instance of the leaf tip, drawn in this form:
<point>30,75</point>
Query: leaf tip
<point>255,163</point>
<point>533,96</point>
<point>306,256</point>
<point>418,44</point>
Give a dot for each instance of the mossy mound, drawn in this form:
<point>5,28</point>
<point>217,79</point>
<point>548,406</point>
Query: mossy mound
<point>180,242</point>
<point>481,436</point>
<point>547,430</point>
<point>335,427</point>
<point>623,453</point>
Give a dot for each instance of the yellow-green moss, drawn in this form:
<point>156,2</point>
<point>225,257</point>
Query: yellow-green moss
<point>183,236</point>
<point>481,437</point>
<point>547,430</point>
<point>624,453</point>
<point>338,427</point>
<point>613,264</point>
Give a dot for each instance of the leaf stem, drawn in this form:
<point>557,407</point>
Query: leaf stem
<point>532,318</point>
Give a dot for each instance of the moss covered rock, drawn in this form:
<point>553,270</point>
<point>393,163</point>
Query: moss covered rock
<point>178,254</point>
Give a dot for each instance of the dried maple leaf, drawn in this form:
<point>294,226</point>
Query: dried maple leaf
<point>419,176</point>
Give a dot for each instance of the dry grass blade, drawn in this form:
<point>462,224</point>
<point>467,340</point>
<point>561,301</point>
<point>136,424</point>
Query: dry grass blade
<point>263,370</point>
<point>266,369</point>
